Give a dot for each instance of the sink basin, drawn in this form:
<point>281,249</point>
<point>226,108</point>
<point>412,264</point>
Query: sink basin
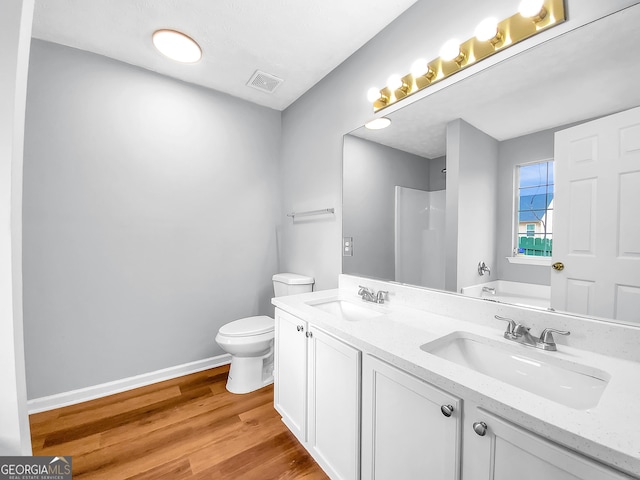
<point>573,385</point>
<point>345,310</point>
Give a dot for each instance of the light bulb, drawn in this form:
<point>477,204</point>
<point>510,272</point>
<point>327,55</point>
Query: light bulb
<point>177,46</point>
<point>394,82</point>
<point>450,50</point>
<point>530,8</point>
<point>486,29</point>
<point>378,123</point>
<point>419,68</point>
<point>373,94</point>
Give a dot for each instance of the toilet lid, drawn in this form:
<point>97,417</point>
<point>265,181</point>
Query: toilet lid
<point>248,326</point>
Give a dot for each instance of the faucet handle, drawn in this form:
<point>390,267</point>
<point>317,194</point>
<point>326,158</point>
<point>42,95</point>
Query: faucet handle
<point>482,268</point>
<point>380,296</point>
<point>508,333</point>
<point>547,337</point>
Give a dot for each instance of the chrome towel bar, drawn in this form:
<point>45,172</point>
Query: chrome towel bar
<point>324,211</point>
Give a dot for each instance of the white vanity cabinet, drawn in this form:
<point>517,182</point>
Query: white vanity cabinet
<point>290,372</point>
<point>317,392</point>
<point>495,449</point>
<point>406,433</point>
<point>410,429</point>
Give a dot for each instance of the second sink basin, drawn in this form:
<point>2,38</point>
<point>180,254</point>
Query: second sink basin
<point>346,310</point>
<point>573,385</point>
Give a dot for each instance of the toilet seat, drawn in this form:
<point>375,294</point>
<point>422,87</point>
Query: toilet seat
<point>248,327</point>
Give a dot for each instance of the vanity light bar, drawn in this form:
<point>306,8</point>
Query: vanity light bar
<point>509,32</point>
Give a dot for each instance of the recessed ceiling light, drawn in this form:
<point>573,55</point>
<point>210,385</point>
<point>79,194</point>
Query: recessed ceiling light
<point>378,123</point>
<point>177,46</point>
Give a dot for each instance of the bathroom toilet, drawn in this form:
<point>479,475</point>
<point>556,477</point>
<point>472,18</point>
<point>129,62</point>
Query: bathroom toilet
<point>249,340</point>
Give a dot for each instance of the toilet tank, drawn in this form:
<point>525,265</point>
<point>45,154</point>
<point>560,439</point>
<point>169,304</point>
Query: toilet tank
<point>291,284</point>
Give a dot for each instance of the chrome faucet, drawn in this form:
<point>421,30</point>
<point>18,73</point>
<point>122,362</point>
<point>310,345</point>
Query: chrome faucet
<point>482,269</point>
<point>369,295</point>
<point>490,290</point>
<point>521,334</point>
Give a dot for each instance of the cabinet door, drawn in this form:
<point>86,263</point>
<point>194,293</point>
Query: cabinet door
<point>506,452</point>
<point>290,372</point>
<point>404,432</point>
<point>334,404</point>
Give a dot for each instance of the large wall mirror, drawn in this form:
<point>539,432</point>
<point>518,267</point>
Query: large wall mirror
<point>465,177</point>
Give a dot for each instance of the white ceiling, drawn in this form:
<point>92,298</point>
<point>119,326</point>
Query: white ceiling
<point>296,40</point>
<point>589,72</point>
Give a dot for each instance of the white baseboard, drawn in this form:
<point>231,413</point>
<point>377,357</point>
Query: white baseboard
<point>64,399</point>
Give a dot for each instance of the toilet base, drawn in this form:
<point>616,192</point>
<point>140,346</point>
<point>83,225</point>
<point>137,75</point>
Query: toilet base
<point>248,374</point>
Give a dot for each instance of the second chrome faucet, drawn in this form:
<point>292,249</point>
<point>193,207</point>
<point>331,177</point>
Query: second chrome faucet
<point>521,334</point>
<point>369,295</point>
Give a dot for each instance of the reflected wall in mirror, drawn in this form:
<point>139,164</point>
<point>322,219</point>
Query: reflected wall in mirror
<point>480,129</point>
<point>374,177</point>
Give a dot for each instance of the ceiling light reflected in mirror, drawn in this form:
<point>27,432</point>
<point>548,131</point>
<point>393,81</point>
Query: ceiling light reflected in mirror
<point>378,123</point>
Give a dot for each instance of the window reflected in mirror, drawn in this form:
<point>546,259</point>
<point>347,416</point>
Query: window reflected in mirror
<point>534,203</point>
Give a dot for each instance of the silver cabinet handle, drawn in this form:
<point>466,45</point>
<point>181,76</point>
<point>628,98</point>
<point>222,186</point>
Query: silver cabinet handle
<point>300,328</point>
<point>309,334</point>
<point>480,428</point>
<point>447,410</point>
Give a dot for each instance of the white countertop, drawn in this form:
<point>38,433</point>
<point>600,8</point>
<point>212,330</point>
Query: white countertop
<point>609,432</point>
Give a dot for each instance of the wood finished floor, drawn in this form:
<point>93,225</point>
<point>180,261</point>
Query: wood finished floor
<point>186,428</point>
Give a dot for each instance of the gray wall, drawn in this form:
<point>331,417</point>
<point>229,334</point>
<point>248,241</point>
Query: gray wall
<point>371,173</point>
<point>15,30</point>
<point>472,167</point>
<point>437,179</point>
<point>150,213</point>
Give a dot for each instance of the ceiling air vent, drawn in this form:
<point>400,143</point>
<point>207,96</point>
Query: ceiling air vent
<point>264,82</point>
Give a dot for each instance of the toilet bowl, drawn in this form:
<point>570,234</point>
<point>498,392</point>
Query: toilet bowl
<point>249,340</point>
